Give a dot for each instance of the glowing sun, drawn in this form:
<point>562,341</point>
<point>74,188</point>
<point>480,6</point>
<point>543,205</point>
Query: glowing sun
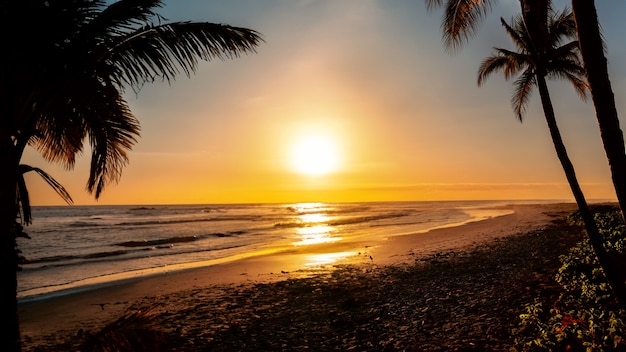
<point>314,155</point>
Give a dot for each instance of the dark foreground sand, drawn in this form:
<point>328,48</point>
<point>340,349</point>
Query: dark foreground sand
<point>459,288</point>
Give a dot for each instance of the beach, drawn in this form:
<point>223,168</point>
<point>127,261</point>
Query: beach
<point>452,287</point>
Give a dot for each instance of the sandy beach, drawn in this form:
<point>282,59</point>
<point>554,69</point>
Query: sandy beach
<point>233,304</point>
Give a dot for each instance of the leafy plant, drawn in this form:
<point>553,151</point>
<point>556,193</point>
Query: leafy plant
<point>586,316</point>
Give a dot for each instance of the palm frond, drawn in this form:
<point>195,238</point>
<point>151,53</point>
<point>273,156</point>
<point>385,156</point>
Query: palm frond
<point>432,4</point>
<point>88,109</point>
<point>557,61</point>
<point>23,197</point>
<point>123,16</point>
<point>112,130</point>
<point>59,132</point>
<point>522,92</point>
<point>580,85</point>
<point>461,19</point>
<point>574,74</point>
<point>97,49</point>
<point>517,62</point>
<point>56,186</point>
<point>561,25</point>
<point>569,51</point>
<point>23,200</point>
<point>509,62</point>
<point>490,65</point>
<point>162,50</point>
<point>519,37</point>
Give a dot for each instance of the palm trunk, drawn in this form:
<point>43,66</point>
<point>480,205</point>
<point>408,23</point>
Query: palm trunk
<point>608,266</point>
<point>592,50</point>
<point>10,331</point>
<point>535,14</point>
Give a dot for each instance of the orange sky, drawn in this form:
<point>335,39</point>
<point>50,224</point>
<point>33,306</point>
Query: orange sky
<point>406,118</point>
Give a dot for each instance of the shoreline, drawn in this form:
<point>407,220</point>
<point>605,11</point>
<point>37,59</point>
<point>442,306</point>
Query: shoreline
<point>349,255</point>
<point>52,318</point>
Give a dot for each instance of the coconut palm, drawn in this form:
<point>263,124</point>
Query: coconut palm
<point>592,50</point>
<point>64,71</point>
<point>461,20</point>
<point>530,68</point>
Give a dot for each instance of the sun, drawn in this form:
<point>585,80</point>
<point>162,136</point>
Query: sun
<point>314,155</point>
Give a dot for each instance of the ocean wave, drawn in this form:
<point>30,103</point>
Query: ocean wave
<point>159,242</point>
<point>343,221</point>
<point>328,208</point>
<point>103,254</point>
<point>56,258</point>
<point>142,209</point>
<point>182,221</point>
<point>290,224</point>
<point>85,224</point>
<point>349,210</point>
<point>110,257</point>
<point>409,223</point>
<point>362,219</point>
<point>72,258</point>
<point>219,234</point>
<point>212,210</point>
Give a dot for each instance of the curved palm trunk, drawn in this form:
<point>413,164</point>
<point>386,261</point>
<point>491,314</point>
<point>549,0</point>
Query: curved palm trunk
<point>9,333</point>
<point>595,62</point>
<point>613,276</point>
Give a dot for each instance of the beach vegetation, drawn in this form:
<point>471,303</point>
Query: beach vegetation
<point>537,36</point>
<point>64,78</point>
<point>586,316</point>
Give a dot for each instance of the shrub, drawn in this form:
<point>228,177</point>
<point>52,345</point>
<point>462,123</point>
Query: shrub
<point>586,316</point>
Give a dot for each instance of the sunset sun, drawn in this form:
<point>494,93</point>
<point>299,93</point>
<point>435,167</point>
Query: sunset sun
<point>314,155</point>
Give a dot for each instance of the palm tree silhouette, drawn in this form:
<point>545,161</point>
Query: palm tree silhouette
<point>530,68</point>
<point>461,20</point>
<point>64,73</point>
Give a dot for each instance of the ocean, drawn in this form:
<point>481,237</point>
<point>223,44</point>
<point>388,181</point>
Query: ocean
<point>73,247</point>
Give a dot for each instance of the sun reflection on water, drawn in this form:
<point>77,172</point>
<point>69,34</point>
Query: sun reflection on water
<point>307,207</point>
<point>313,218</point>
<point>315,235</point>
<point>314,229</point>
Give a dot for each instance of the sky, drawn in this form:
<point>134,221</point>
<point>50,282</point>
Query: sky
<point>349,100</point>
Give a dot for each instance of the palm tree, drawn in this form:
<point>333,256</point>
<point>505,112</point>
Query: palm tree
<point>531,68</point>
<point>64,73</point>
<point>592,50</point>
<point>461,20</point>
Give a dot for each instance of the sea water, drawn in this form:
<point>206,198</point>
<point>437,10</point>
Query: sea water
<point>74,246</point>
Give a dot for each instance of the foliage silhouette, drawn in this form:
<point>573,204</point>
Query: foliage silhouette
<point>63,82</point>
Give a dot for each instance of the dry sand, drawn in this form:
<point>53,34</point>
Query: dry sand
<point>51,321</point>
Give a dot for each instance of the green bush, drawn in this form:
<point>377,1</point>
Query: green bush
<point>586,316</point>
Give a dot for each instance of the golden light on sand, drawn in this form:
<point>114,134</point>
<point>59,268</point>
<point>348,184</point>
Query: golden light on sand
<point>314,155</point>
<point>327,258</point>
